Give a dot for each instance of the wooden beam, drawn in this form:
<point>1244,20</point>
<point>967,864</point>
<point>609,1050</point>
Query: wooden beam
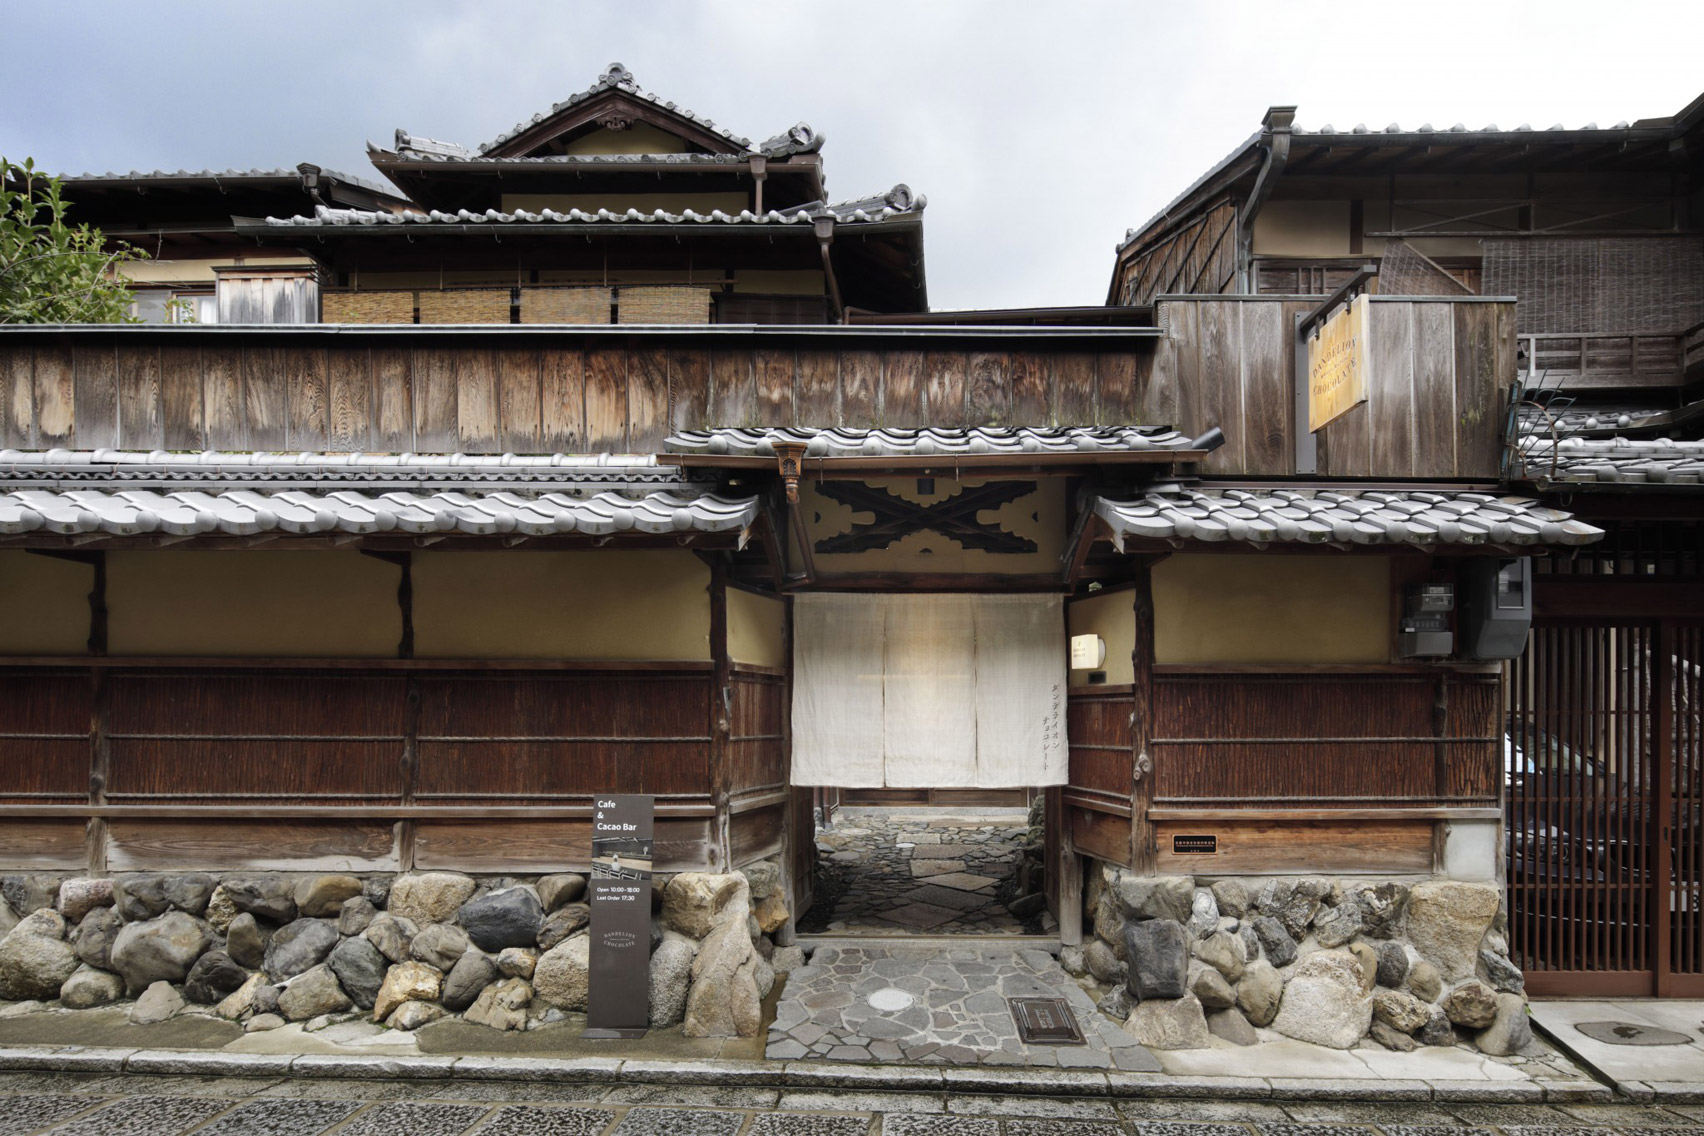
<point>721,714</point>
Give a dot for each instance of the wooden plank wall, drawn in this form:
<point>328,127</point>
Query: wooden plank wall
<point>481,395</point>
<point>1433,407</point>
<point>1307,740</point>
<point>291,757</point>
<point>1199,258</point>
<point>1097,798</point>
<point>1433,411</point>
<point>1439,371</point>
<point>756,760</point>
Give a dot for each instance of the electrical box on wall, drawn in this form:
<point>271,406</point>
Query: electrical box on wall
<point>1496,607</point>
<point>1425,631</point>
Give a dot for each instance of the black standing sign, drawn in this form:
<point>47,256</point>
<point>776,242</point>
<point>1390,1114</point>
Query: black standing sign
<point>620,994</point>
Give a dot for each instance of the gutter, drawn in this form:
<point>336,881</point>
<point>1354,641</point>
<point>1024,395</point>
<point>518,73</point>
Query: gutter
<point>1275,134</point>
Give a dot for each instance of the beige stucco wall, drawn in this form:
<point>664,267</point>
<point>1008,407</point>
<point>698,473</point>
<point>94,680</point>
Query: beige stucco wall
<point>44,604</point>
<point>1302,228</point>
<point>639,138</point>
<point>1039,516</point>
<point>756,629</point>
<point>563,605</point>
<point>252,604</point>
<point>1113,617</point>
<point>1271,609</point>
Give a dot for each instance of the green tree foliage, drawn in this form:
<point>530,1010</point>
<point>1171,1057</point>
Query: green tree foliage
<point>51,271</point>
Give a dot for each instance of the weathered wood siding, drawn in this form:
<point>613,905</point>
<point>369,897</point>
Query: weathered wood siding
<point>1439,369</point>
<point>1306,739</point>
<point>381,767</point>
<point>1434,402</point>
<point>1198,258</point>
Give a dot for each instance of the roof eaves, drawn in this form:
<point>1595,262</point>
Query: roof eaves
<point>616,78</point>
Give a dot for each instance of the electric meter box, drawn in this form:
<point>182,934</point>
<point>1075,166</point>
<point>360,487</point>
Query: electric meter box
<point>1425,629</point>
<point>1496,607</point>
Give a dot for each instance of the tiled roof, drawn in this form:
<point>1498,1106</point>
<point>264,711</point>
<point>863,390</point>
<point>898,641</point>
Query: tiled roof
<point>801,138</point>
<point>319,470</point>
<point>245,512</point>
<point>616,77</point>
<point>898,201</point>
<point>1460,128</point>
<point>227,175</point>
<point>1560,421</point>
<point>1340,516</point>
<point>928,442</point>
<point>1624,461</point>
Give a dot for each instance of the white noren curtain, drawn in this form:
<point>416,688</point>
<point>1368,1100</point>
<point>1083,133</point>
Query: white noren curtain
<point>936,691</point>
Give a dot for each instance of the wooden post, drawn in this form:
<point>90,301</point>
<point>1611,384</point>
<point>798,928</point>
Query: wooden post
<point>1142,847</point>
<point>791,822</point>
<point>1662,860</point>
<point>721,711</point>
<point>1070,878</point>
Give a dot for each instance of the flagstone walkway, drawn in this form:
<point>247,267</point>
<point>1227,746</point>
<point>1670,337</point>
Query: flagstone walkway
<point>886,872</point>
<point>935,1005</point>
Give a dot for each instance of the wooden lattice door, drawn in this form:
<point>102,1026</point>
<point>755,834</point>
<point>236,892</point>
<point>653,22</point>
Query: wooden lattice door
<point>1601,759</point>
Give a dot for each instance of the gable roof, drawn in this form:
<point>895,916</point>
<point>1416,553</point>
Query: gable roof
<point>615,91</point>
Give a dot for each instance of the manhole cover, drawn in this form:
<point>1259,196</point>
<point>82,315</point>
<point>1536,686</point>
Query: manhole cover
<point>1046,1021</point>
<point>891,1000</point>
<point>1626,1033</point>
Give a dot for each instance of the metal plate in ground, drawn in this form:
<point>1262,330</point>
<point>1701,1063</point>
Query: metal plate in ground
<point>1628,1033</point>
<point>1046,1021</point>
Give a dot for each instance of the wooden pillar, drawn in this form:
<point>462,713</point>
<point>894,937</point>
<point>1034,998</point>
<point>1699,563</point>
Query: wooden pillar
<point>100,749</point>
<point>1070,865</point>
<point>1142,847</point>
<point>721,711</point>
<point>1662,860</point>
<point>794,828</point>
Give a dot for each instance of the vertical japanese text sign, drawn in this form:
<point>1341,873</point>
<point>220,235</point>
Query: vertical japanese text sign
<point>619,997</point>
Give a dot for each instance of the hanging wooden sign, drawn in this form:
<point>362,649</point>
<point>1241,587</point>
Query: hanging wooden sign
<point>1337,365</point>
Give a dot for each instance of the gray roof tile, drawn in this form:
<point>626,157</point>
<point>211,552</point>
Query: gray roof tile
<point>247,512</point>
<point>899,201</point>
<point>214,469</point>
<point>1623,461</point>
<point>226,175</point>
<point>1339,516</point>
<point>926,442</point>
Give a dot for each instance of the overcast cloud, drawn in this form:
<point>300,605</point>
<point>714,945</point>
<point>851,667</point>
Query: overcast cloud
<point>1039,131</point>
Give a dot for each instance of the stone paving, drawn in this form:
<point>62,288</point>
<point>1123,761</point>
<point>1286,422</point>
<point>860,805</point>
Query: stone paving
<point>32,1104</point>
<point>885,871</point>
<point>938,1005</point>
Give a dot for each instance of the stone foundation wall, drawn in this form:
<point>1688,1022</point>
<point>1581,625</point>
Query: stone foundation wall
<point>265,949</point>
<point>1329,961</point>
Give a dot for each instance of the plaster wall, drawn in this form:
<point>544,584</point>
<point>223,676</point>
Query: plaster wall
<point>1271,609</point>
<point>561,605</point>
<point>252,604</point>
<point>756,629</point>
<point>44,604</point>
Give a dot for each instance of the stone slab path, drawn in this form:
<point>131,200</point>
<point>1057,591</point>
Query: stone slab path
<point>70,1103</point>
<point>938,1005</point>
<point>889,871</point>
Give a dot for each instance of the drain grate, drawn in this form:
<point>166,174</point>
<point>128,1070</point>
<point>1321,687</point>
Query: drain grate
<point>1046,1021</point>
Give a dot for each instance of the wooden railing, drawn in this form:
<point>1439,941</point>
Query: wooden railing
<point>1580,360</point>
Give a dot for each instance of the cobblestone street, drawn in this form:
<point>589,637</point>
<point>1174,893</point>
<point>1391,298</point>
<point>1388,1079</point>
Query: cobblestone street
<point>120,1105</point>
<point>884,871</point>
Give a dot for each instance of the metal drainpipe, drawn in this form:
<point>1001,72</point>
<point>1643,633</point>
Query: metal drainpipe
<point>825,237</point>
<point>1275,133</point>
<point>760,174</point>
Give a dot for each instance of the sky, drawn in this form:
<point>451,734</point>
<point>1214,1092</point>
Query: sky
<point>1039,132</point>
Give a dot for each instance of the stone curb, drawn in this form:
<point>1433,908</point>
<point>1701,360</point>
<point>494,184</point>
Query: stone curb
<point>819,1075</point>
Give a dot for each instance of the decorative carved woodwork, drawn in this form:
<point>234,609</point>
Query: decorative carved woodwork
<point>953,518</point>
